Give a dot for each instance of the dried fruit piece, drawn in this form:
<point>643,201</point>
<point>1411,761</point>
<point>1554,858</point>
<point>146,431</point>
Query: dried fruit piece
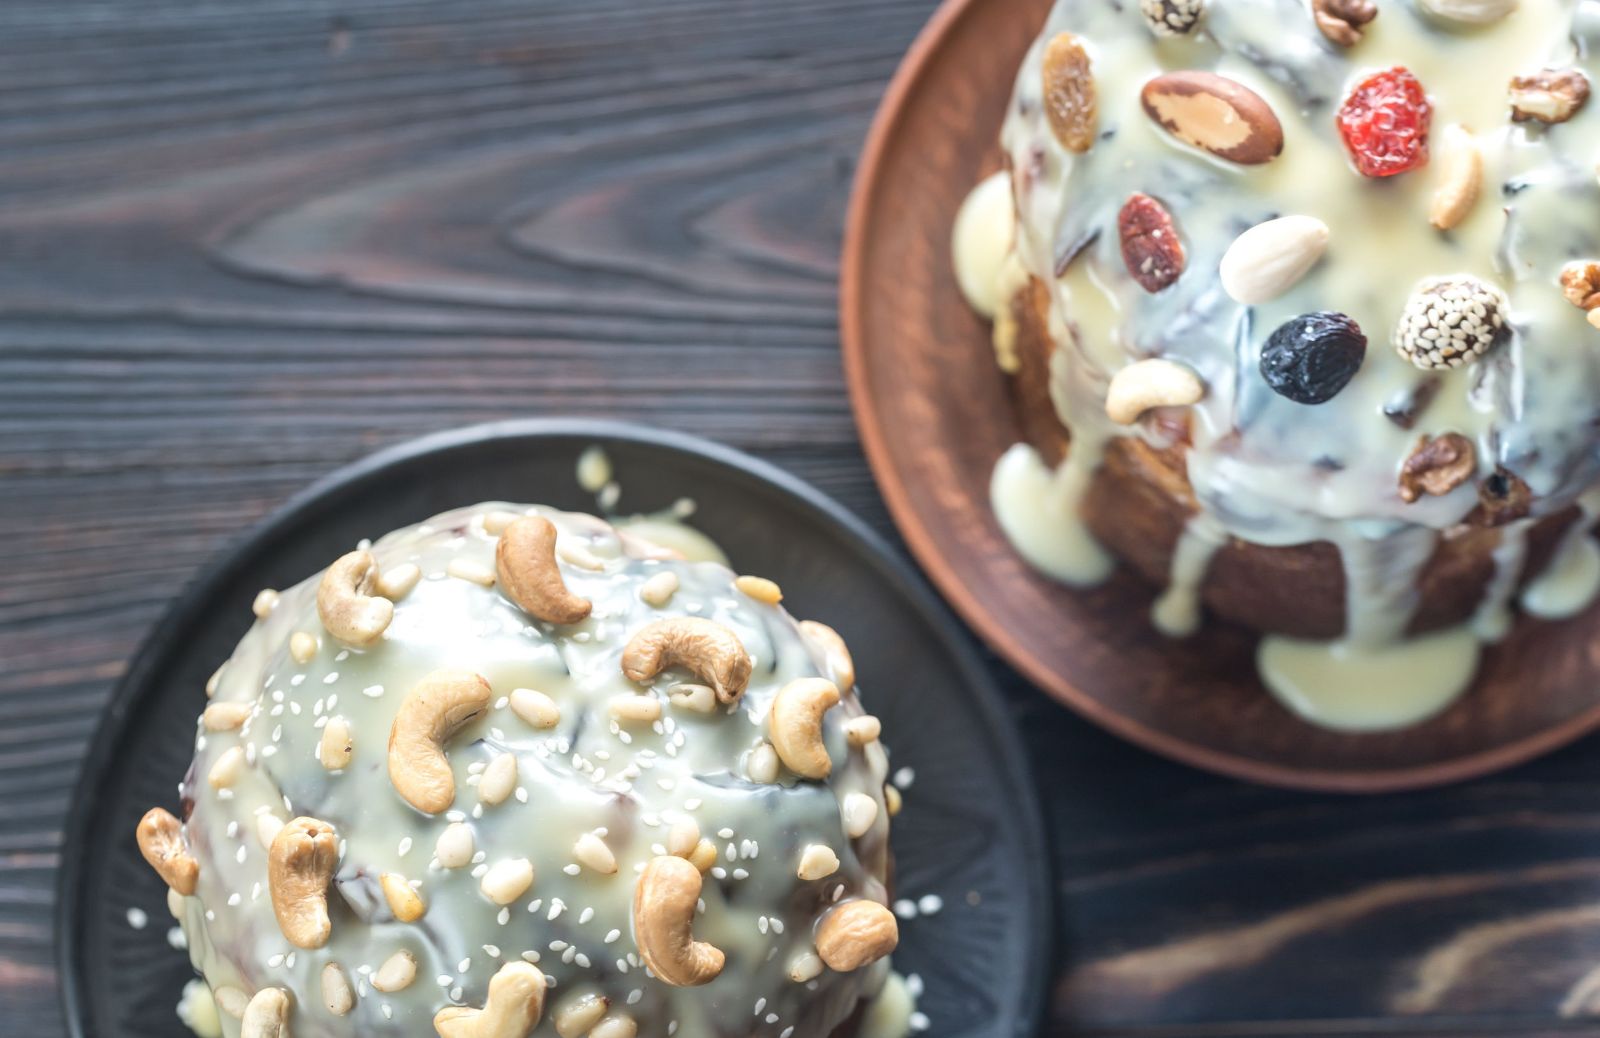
<point>1069,94</point>
<point>1342,20</point>
<point>1172,17</point>
<point>1437,466</point>
<point>1216,114</point>
<point>1151,247</point>
<point>1549,96</point>
<point>1310,358</point>
<point>1406,406</point>
<point>1268,259</point>
<point>1580,283</point>
<point>1449,321</point>
<point>1384,123</point>
<point>1502,497</point>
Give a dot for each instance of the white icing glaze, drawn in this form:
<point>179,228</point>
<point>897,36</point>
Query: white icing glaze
<point>981,242</point>
<point>1572,579</point>
<point>1038,510</point>
<point>1265,469</point>
<point>1355,688</point>
<point>198,1010</point>
<point>889,1014</point>
<point>587,775</point>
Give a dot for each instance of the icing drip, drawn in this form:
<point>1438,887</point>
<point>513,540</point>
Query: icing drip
<point>1038,510</point>
<point>1572,579</point>
<point>1176,613</point>
<point>1492,620</point>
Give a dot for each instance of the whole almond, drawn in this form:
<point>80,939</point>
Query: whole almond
<point>1460,178</point>
<point>1069,94</point>
<point>1216,114</point>
<point>1469,12</point>
<point>1267,260</point>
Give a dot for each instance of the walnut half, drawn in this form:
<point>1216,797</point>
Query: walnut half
<point>1437,466</point>
<point>1549,96</point>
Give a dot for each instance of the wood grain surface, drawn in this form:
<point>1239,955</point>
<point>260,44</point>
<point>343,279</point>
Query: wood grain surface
<point>244,241</point>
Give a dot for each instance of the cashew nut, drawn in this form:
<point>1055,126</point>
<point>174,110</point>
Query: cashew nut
<point>161,842</point>
<point>706,649</point>
<point>578,1015</point>
<point>856,933</point>
<point>1149,383</point>
<point>1460,179</point>
<point>515,1003</point>
<point>267,1015</point>
<point>796,726</point>
<point>441,704</point>
<point>664,903</point>
<point>346,603</point>
<point>300,865</point>
<point>525,560</point>
<point>836,654</point>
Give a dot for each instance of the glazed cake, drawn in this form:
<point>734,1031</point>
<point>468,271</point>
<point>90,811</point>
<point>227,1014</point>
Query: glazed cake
<point>1311,290</point>
<point>515,771</point>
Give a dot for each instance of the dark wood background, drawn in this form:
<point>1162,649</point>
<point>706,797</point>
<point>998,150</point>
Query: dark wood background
<point>245,241</point>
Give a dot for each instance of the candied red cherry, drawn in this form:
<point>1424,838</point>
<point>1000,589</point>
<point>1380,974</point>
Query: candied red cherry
<point>1384,123</point>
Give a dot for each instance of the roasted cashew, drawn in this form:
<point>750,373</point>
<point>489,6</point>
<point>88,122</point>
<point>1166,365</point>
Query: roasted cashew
<point>515,1003</point>
<point>441,704</point>
<point>346,603</point>
<point>795,726</point>
<point>836,654</point>
<point>300,867</point>
<point>267,1015</point>
<point>525,560</point>
<point>664,903</point>
<point>856,933</point>
<point>1149,383</point>
<point>161,842</point>
<point>706,649</point>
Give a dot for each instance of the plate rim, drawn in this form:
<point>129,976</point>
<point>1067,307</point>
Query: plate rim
<point>1012,763</point>
<point>895,102</point>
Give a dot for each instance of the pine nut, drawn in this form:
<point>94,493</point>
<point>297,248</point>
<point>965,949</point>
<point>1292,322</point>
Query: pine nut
<point>859,731</point>
<point>682,837</point>
<point>396,973</point>
<point>762,764</point>
<point>817,861</point>
<point>892,800</point>
<point>859,812</point>
<point>471,571</point>
<point>697,698</point>
<point>214,680</point>
<point>455,846</point>
<point>302,647</point>
<point>337,745</point>
<point>592,852</point>
<point>536,708</point>
<point>498,779</point>
<point>225,771</point>
<point>575,554</point>
<point>231,1000</point>
<point>579,1015</point>
<point>266,601</point>
<point>759,588</point>
<point>406,904</point>
<point>633,708</point>
<point>507,880</point>
<point>617,1025</point>
<point>704,856</point>
<point>224,717</point>
<point>805,966</point>
<point>336,993</point>
<point>496,521</point>
<point>267,826</point>
<point>397,583</point>
<point>658,590</point>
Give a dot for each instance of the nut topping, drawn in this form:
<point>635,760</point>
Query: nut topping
<point>1548,96</point>
<point>1437,466</point>
<point>1469,12</point>
<point>1449,321</point>
<point>1580,283</point>
<point>1151,248</point>
<point>1069,93</point>
<point>1215,114</point>
<point>1502,497</point>
<point>1460,179</point>
<point>1270,258</point>
<point>1172,17</point>
<point>1342,20</point>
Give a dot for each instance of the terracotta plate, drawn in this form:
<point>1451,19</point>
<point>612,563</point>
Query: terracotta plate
<point>971,831</point>
<point>934,415</point>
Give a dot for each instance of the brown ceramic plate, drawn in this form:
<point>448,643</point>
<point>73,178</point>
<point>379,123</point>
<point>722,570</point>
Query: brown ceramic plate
<point>934,415</point>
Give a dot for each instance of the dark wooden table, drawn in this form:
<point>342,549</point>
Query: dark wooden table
<point>245,241</point>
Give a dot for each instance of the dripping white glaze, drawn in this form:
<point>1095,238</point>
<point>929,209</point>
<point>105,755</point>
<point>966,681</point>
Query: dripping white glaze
<point>1572,580</point>
<point>1037,507</point>
<point>1264,469</point>
<point>1176,613</point>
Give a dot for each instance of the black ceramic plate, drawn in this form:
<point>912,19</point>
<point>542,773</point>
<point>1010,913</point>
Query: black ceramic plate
<point>971,831</point>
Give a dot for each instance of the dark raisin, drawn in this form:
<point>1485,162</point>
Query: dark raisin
<point>1406,406</point>
<point>1310,358</point>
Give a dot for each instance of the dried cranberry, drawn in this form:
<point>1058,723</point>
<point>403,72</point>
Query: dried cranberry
<point>1384,123</point>
<point>1310,358</point>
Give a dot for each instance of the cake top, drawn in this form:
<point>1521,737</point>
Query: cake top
<point>515,761</point>
<point>1356,239</point>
